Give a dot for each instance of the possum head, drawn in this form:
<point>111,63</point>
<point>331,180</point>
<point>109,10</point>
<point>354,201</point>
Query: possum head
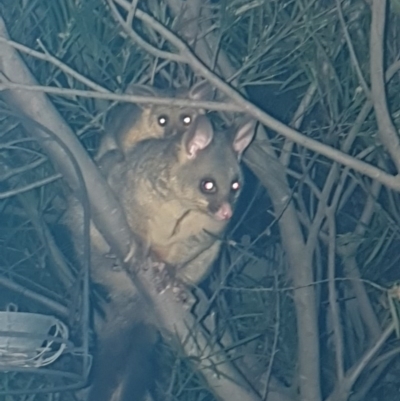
<point>158,121</point>
<point>208,173</point>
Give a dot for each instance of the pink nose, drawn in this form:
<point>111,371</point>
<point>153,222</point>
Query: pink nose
<point>224,212</point>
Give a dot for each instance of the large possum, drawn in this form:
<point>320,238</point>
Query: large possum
<point>178,193</point>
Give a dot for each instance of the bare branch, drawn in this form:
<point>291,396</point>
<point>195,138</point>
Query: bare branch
<point>387,131</point>
<point>352,52</point>
<point>257,113</point>
<point>57,63</point>
<point>175,102</point>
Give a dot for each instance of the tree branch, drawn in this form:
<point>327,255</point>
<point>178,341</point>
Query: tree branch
<point>387,131</point>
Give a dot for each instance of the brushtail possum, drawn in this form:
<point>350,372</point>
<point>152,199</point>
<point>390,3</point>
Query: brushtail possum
<point>179,193</point>
<point>127,123</point>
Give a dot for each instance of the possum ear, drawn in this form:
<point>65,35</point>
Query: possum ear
<point>197,137</point>
<point>201,90</point>
<point>243,136</point>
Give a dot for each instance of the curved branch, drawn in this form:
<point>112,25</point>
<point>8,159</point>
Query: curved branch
<point>248,107</point>
<point>342,392</point>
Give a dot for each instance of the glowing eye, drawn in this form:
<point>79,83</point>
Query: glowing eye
<point>186,120</point>
<point>235,186</point>
<point>208,186</point>
<point>162,121</point>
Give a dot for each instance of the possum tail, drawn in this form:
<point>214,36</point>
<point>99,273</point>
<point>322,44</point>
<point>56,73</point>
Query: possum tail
<point>124,364</point>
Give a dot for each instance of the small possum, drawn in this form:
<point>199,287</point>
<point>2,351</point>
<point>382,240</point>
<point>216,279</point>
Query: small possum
<point>127,123</point>
<point>179,194</point>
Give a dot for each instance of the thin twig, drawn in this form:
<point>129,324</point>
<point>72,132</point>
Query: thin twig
<point>333,304</point>
<point>137,39</point>
<point>29,187</point>
<point>353,55</point>
<point>34,296</point>
<point>248,107</point>
<point>173,102</point>
<point>53,60</point>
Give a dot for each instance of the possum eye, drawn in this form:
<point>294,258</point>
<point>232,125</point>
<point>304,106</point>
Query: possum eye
<point>235,186</point>
<point>208,186</point>
<point>162,120</point>
<point>186,120</point>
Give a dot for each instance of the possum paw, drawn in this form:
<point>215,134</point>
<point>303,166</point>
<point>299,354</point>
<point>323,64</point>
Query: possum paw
<point>162,276</point>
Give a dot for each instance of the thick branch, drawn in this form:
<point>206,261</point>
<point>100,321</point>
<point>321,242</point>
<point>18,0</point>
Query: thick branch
<point>108,217</point>
<point>387,130</point>
<point>105,208</point>
<point>258,159</point>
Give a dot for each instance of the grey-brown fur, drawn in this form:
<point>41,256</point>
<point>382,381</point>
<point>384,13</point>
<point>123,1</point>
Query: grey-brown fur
<point>158,185</point>
<point>128,123</point>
